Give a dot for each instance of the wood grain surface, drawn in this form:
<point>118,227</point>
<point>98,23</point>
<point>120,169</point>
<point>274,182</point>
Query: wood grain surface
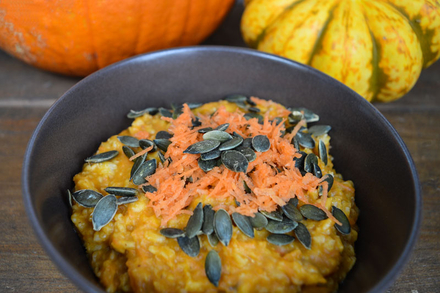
<point>26,94</point>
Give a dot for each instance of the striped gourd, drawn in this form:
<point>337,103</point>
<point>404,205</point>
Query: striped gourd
<point>376,47</point>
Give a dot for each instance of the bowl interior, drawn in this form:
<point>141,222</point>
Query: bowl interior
<point>366,149</point>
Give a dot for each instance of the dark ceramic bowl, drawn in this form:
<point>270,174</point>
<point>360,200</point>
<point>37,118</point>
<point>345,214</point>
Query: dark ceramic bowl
<point>366,148</point>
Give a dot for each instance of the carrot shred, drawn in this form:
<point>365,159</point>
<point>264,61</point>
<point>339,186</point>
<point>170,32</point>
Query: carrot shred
<point>144,151</point>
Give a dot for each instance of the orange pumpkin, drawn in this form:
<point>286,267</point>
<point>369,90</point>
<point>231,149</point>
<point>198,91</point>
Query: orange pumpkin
<point>77,37</point>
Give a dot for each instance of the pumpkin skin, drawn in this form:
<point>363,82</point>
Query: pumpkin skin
<point>376,47</point>
<point>76,37</point>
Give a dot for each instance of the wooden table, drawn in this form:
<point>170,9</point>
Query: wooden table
<point>26,94</point>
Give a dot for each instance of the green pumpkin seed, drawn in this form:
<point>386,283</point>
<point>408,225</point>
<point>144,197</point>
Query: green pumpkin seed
<point>285,226</point>
<point>258,221</point>
<point>235,98</point>
<point>165,113</point>
<point>201,147</point>
<point>196,122</point>
<point>299,162</point>
<point>212,239</point>
<point>261,143</point>
<point>214,154</point>
<point>172,232</point>
<point>207,165</point>
<point>308,115</point>
<point>161,157</point>
<point>149,188</point>
<point>323,152</point>
<point>146,143</point>
<point>295,117</point>
<point>254,110</point>
<point>280,239</point>
<point>313,213</point>
<point>205,130</point>
<point>234,161</point>
<point>305,140</point>
<point>244,224</point>
<point>318,130</point>
<point>193,106</point>
<point>163,135</point>
<point>223,226</point>
<point>303,235</point>
<point>104,211</point>
<point>87,198</point>
<point>295,143</point>
<point>134,114</point>
<point>222,127</point>
<point>69,197</point>
<point>146,169</point>
<point>102,157</point>
<point>345,228</point>
<point>247,143</point>
<point>129,141</point>
<point>121,191</point>
<point>162,143</point>
<point>276,215</point>
<point>310,160</point>
<point>208,219</point>
<point>250,102</point>
<point>126,200</point>
<point>137,163</point>
<point>231,144</point>
<point>191,246</point>
<point>292,212</point>
<point>257,116</point>
<point>213,267</point>
<point>217,135</point>
<point>330,179</point>
<point>246,187</point>
<point>317,171</point>
<point>128,151</point>
<point>195,222</point>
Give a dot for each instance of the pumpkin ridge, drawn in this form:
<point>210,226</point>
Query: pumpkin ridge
<point>263,32</point>
<point>318,43</point>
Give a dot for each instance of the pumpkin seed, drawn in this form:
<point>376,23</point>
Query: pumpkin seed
<point>146,169</point>
<point>234,161</point>
<point>128,151</point>
<point>102,157</point>
<point>195,222</point>
<point>121,191</point>
<point>244,224</point>
<point>201,147</point>
<point>258,221</point>
<point>247,142</point>
<point>212,239</point>
<point>213,267</point>
<point>292,212</point>
<point>149,188</point>
<point>104,211</point>
<point>193,106</point>
<point>285,226</point>
<point>295,143</point>
<point>172,232</point>
<point>293,201</point>
<point>69,197</point>
<point>330,179</point>
<point>137,163</point>
<point>163,135</point>
<point>230,144</point>
<point>313,213</point>
<point>308,115</point>
<point>276,215</point>
<point>134,114</point>
<point>246,187</point>
<point>86,197</point>
<point>250,102</point>
<point>207,165</point>
<point>303,235</point>
<point>214,154</point>
<point>161,157</point>
<point>305,140</point>
<point>208,219</point>
<point>146,143</point>
<point>191,246</point>
<point>295,117</point>
<point>162,143</point>
<point>299,162</point>
<point>217,135</point>
<point>205,130</point>
<point>317,171</point>
<point>318,130</point>
<point>278,120</point>
<point>222,127</point>
<point>126,200</point>
<point>261,143</point>
<point>310,160</point>
<point>345,228</point>
<point>165,113</point>
<point>129,141</point>
<point>323,152</point>
<point>257,116</point>
<point>235,98</point>
<point>223,226</point>
<point>280,239</point>
<point>254,110</point>
<point>235,134</point>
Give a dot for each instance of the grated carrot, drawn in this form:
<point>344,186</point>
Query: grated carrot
<point>144,151</point>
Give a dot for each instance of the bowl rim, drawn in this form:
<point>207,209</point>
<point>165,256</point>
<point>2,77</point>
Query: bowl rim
<point>71,273</point>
